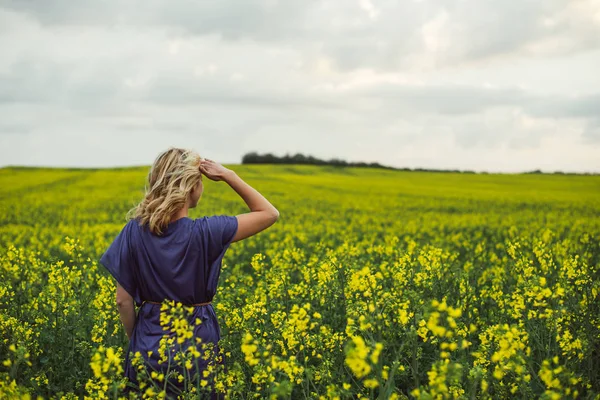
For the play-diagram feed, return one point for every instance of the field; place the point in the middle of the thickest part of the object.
(372, 284)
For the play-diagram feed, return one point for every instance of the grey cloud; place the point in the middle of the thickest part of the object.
(29, 81)
(591, 131)
(15, 128)
(394, 38)
(231, 19)
(179, 91)
(251, 74)
(583, 106)
(53, 83)
(442, 99)
(468, 99)
(497, 127)
(484, 28)
(152, 124)
(104, 87)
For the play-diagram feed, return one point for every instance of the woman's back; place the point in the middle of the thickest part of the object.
(183, 264)
(162, 254)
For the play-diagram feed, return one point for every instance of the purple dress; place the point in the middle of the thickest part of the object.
(184, 265)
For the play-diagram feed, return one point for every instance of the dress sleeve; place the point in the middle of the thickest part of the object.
(218, 232)
(120, 263)
(221, 230)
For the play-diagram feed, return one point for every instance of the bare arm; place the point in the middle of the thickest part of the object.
(263, 214)
(126, 310)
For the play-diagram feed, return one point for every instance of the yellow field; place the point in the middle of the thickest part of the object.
(372, 284)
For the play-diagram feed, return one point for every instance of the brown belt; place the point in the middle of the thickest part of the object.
(190, 305)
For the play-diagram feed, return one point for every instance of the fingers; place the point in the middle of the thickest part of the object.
(205, 162)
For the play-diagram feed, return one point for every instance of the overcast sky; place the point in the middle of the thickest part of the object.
(485, 85)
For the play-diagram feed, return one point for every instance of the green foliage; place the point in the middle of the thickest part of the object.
(372, 284)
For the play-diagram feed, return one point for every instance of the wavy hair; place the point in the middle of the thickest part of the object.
(173, 175)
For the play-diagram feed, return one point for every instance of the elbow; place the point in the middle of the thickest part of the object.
(275, 215)
(124, 301)
(122, 297)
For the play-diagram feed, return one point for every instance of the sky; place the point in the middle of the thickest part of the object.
(497, 86)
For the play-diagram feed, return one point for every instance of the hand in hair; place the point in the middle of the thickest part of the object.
(213, 170)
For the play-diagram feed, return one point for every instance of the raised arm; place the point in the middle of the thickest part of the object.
(262, 215)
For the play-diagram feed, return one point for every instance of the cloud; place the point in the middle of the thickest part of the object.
(330, 78)
(591, 131)
(385, 35)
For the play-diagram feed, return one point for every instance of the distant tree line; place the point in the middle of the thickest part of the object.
(298, 158)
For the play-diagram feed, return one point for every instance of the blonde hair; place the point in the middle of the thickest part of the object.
(173, 175)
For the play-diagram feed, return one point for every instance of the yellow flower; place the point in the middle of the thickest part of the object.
(371, 383)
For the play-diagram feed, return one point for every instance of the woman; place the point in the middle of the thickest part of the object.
(163, 254)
